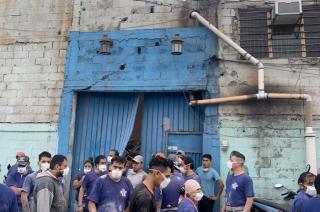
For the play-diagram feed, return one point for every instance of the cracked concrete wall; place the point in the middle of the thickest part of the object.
(109, 15)
(270, 133)
(33, 41)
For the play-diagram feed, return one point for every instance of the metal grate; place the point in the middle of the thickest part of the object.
(264, 40)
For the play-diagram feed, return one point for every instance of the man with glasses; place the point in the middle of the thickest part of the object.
(159, 176)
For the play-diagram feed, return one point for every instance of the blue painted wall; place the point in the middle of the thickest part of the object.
(154, 69)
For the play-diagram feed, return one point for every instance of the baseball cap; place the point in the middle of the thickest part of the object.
(23, 161)
(180, 152)
(138, 159)
(20, 154)
(160, 155)
(191, 186)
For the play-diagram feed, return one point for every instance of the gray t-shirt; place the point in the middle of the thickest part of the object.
(136, 178)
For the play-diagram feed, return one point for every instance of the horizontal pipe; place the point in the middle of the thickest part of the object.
(222, 100)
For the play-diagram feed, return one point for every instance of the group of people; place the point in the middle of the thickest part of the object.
(114, 183)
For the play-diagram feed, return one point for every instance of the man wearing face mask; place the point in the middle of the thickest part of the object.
(88, 181)
(306, 191)
(136, 175)
(193, 194)
(208, 178)
(111, 192)
(48, 189)
(16, 179)
(168, 197)
(27, 199)
(190, 174)
(159, 176)
(239, 186)
(313, 204)
(112, 154)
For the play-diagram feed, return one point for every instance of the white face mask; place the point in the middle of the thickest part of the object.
(205, 169)
(103, 167)
(182, 170)
(229, 164)
(22, 170)
(116, 174)
(198, 196)
(165, 182)
(65, 171)
(86, 171)
(44, 166)
(311, 190)
(109, 158)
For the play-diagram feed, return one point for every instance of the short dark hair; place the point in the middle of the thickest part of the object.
(238, 155)
(303, 176)
(57, 160)
(118, 159)
(44, 154)
(116, 152)
(160, 164)
(317, 183)
(188, 160)
(208, 156)
(99, 158)
(90, 160)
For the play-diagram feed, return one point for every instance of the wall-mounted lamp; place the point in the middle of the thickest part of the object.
(224, 145)
(105, 45)
(176, 45)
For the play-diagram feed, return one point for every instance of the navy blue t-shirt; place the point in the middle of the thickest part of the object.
(170, 194)
(89, 181)
(16, 179)
(8, 200)
(111, 196)
(238, 188)
(311, 205)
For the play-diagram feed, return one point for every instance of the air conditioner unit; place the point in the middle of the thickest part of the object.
(287, 12)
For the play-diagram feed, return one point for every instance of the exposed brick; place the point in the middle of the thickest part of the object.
(43, 61)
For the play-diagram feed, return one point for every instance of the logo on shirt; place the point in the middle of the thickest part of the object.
(123, 192)
(234, 186)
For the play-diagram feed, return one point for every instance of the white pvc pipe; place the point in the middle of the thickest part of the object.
(311, 151)
(235, 46)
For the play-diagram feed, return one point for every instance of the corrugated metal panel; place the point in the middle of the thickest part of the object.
(103, 121)
(171, 106)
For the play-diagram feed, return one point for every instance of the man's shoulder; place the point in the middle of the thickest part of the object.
(7, 191)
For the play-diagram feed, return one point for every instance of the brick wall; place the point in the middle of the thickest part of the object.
(269, 133)
(33, 45)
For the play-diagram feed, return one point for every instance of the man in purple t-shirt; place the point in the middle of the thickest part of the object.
(111, 192)
(189, 166)
(313, 204)
(89, 180)
(239, 186)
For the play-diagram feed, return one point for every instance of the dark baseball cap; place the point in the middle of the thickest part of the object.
(23, 161)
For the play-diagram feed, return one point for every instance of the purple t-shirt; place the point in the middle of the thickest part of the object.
(170, 195)
(8, 200)
(110, 195)
(89, 180)
(311, 205)
(298, 201)
(192, 177)
(17, 180)
(187, 206)
(238, 188)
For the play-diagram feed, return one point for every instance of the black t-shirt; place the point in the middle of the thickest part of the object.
(142, 200)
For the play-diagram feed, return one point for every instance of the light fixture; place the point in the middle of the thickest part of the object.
(176, 45)
(105, 45)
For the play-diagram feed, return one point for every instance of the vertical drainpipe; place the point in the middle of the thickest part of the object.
(310, 137)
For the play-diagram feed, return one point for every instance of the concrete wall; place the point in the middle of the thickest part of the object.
(33, 41)
(269, 133)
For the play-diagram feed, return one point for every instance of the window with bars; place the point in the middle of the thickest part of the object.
(262, 39)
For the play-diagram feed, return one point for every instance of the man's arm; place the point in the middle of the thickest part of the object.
(220, 190)
(92, 207)
(44, 200)
(248, 205)
(24, 201)
(16, 190)
(80, 198)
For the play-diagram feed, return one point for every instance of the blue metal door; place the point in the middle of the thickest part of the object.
(103, 121)
(168, 121)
